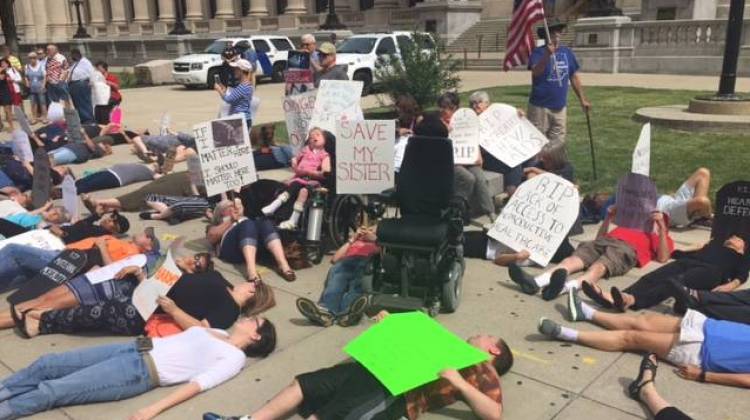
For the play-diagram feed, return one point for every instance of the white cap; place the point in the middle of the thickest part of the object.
(242, 64)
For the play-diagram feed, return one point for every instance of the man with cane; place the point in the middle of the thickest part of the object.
(550, 79)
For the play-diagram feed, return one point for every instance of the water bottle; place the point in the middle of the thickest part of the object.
(315, 217)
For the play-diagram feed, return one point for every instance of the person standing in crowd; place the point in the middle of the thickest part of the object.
(14, 61)
(79, 84)
(549, 84)
(101, 112)
(239, 97)
(309, 45)
(328, 68)
(9, 92)
(56, 71)
(34, 79)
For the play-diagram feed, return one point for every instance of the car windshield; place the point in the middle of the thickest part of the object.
(217, 47)
(356, 46)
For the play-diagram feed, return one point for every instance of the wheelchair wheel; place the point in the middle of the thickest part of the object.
(345, 216)
(314, 253)
(452, 287)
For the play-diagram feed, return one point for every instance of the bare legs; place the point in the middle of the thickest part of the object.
(284, 404)
(162, 210)
(649, 332)
(249, 253)
(277, 250)
(58, 298)
(700, 205)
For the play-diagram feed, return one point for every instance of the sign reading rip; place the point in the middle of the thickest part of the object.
(364, 156)
(465, 136)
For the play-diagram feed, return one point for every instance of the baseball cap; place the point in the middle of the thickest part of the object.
(122, 223)
(327, 48)
(243, 64)
(149, 231)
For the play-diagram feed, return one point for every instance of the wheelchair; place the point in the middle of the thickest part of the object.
(421, 264)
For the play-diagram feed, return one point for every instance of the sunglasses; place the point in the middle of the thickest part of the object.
(199, 266)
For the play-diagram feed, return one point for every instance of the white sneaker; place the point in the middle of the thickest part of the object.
(287, 225)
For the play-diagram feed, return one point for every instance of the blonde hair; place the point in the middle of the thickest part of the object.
(555, 155)
(262, 301)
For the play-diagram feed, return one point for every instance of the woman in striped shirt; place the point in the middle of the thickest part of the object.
(240, 96)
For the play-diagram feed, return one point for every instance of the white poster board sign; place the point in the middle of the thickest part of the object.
(70, 197)
(507, 136)
(465, 136)
(55, 112)
(364, 156)
(225, 153)
(145, 295)
(400, 148)
(39, 238)
(21, 146)
(108, 272)
(337, 100)
(642, 152)
(298, 111)
(538, 217)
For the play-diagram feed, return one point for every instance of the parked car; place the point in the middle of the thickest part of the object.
(199, 69)
(363, 53)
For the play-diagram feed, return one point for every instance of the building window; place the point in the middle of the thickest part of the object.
(366, 4)
(666, 13)
(430, 26)
(280, 6)
(321, 6)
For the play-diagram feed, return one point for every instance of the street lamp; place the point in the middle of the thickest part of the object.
(731, 51)
(81, 32)
(179, 25)
(332, 19)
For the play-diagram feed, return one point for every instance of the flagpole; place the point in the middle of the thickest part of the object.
(554, 57)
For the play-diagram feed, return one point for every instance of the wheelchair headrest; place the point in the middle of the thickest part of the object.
(425, 181)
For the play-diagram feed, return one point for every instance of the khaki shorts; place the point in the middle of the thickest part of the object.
(616, 255)
(687, 350)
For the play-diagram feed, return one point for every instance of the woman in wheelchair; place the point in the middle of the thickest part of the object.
(236, 238)
(343, 300)
(310, 167)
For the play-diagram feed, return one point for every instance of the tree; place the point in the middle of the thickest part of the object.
(421, 70)
(8, 21)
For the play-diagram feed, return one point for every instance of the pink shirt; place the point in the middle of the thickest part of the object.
(309, 160)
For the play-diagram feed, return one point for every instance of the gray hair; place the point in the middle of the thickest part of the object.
(218, 218)
(308, 38)
(479, 97)
(64, 214)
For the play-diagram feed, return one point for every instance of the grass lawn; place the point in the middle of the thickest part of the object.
(674, 154)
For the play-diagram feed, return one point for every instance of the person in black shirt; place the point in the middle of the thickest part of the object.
(718, 266)
(108, 224)
(726, 306)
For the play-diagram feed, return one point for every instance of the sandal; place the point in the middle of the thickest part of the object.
(168, 161)
(145, 157)
(21, 326)
(288, 275)
(634, 389)
(255, 279)
(594, 293)
(618, 300)
(14, 315)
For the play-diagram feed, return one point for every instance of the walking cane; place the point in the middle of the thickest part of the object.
(591, 142)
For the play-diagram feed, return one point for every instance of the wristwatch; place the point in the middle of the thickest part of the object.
(702, 376)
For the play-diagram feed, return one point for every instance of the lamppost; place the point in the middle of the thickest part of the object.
(332, 19)
(179, 25)
(81, 32)
(731, 51)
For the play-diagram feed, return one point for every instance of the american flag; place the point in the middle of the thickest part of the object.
(526, 13)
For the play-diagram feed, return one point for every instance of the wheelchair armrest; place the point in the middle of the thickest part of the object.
(389, 195)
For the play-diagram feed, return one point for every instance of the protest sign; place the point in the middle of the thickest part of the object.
(642, 152)
(225, 153)
(55, 112)
(21, 146)
(66, 265)
(298, 81)
(145, 295)
(408, 350)
(337, 100)
(70, 197)
(636, 200)
(298, 111)
(194, 170)
(39, 238)
(22, 120)
(400, 149)
(164, 124)
(732, 213)
(538, 217)
(465, 136)
(364, 156)
(507, 136)
(108, 272)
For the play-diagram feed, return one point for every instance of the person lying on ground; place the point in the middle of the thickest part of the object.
(611, 254)
(703, 349)
(717, 304)
(46, 216)
(235, 239)
(643, 390)
(477, 244)
(21, 174)
(111, 223)
(148, 147)
(118, 175)
(343, 300)
(21, 262)
(13, 201)
(200, 358)
(174, 184)
(718, 265)
(79, 152)
(349, 390)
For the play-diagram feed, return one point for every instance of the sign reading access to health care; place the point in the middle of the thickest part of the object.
(465, 136)
(364, 156)
(225, 153)
(636, 200)
(337, 100)
(507, 136)
(538, 217)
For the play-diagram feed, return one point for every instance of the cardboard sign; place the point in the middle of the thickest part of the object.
(66, 265)
(41, 182)
(732, 213)
(194, 170)
(642, 152)
(298, 60)
(22, 120)
(298, 111)
(21, 146)
(507, 136)
(636, 200)
(407, 350)
(225, 153)
(538, 217)
(298, 81)
(337, 100)
(364, 156)
(465, 136)
(400, 150)
(39, 238)
(108, 272)
(145, 295)
(70, 197)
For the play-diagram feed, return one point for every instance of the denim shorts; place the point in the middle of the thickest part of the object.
(245, 233)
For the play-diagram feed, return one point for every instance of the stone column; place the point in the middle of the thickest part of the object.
(58, 20)
(40, 18)
(194, 10)
(224, 9)
(295, 7)
(25, 18)
(118, 11)
(385, 4)
(258, 8)
(96, 12)
(141, 12)
(166, 10)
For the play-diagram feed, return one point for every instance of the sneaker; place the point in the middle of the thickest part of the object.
(684, 297)
(287, 225)
(556, 284)
(315, 313)
(521, 278)
(575, 313)
(549, 327)
(354, 314)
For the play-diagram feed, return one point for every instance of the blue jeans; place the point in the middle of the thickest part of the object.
(92, 374)
(20, 262)
(57, 92)
(246, 233)
(343, 284)
(62, 156)
(80, 93)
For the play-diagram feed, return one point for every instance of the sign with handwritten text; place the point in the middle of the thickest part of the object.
(145, 295)
(507, 136)
(298, 111)
(732, 215)
(636, 200)
(364, 156)
(338, 100)
(465, 136)
(225, 154)
(642, 153)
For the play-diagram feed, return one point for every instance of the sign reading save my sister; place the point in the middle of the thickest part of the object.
(364, 156)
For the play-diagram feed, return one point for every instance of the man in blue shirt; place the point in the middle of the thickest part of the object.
(549, 87)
